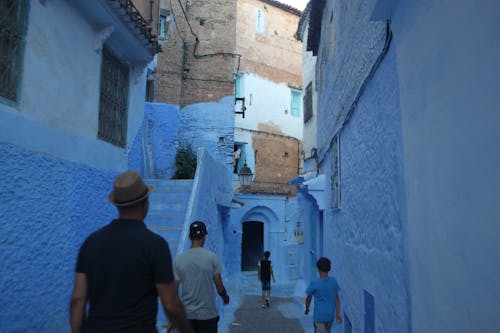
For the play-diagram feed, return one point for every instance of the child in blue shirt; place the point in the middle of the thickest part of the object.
(326, 298)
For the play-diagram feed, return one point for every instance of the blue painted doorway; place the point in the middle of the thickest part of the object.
(252, 245)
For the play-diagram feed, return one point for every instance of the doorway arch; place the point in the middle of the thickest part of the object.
(255, 237)
(252, 245)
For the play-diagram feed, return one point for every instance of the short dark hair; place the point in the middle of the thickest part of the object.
(324, 264)
(267, 254)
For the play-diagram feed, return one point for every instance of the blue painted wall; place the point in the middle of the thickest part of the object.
(448, 66)
(48, 207)
(366, 238)
(160, 139)
(55, 173)
(211, 126)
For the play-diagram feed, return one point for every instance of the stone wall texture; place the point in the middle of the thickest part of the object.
(198, 62)
(366, 238)
(49, 207)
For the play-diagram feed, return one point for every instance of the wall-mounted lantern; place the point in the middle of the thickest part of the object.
(245, 176)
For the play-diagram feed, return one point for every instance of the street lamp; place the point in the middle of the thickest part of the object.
(245, 176)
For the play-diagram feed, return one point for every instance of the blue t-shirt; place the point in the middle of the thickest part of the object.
(324, 292)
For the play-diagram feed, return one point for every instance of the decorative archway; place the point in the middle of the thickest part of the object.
(255, 226)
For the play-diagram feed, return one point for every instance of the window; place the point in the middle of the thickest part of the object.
(335, 172)
(113, 103)
(150, 88)
(13, 16)
(238, 86)
(295, 103)
(260, 21)
(308, 107)
(164, 24)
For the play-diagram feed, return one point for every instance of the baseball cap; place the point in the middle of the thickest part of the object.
(197, 230)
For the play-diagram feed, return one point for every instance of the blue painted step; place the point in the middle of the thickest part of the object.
(167, 209)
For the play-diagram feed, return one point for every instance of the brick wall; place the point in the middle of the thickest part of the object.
(190, 72)
(276, 54)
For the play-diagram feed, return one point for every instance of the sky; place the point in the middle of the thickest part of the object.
(299, 4)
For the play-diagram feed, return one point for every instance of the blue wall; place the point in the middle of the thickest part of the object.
(160, 139)
(49, 206)
(209, 125)
(366, 238)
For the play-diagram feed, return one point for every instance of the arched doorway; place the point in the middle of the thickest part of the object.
(252, 245)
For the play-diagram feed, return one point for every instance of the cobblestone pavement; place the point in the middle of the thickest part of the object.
(245, 314)
(252, 318)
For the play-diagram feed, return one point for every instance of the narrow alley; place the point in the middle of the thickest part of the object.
(361, 132)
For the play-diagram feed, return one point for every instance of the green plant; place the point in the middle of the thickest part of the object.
(185, 163)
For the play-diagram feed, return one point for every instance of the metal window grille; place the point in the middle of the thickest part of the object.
(113, 104)
(335, 172)
(308, 107)
(13, 15)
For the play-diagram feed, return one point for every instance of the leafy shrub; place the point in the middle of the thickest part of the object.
(185, 163)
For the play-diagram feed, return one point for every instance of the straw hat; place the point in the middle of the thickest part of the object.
(128, 189)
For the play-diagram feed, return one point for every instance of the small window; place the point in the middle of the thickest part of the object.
(296, 103)
(164, 24)
(260, 21)
(335, 172)
(113, 102)
(13, 16)
(308, 107)
(150, 89)
(237, 87)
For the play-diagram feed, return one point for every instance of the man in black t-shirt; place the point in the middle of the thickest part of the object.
(122, 268)
(265, 274)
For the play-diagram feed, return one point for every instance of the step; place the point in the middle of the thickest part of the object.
(169, 218)
(170, 195)
(168, 206)
(171, 185)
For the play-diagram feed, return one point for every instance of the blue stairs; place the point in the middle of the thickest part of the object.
(167, 209)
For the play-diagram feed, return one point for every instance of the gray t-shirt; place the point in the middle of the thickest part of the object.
(195, 268)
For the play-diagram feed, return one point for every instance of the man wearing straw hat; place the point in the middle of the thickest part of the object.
(123, 267)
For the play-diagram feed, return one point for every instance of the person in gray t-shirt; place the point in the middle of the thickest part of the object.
(197, 269)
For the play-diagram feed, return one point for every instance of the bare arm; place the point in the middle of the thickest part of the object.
(259, 271)
(174, 309)
(272, 273)
(308, 303)
(220, 288)
(78, 302)
(337, 307)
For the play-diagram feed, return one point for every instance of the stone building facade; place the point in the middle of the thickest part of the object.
(223, 49)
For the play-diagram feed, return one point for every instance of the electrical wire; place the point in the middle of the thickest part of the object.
(197, 42)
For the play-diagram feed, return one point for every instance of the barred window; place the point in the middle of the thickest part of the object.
(13, 16)
(113, 103)
(308, 107)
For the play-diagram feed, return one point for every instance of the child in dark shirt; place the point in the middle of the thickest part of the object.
(265, 274)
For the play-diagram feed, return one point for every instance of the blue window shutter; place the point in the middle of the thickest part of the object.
(296, 103)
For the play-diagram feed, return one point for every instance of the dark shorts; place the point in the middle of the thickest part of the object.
(266, 285)
(204, 326)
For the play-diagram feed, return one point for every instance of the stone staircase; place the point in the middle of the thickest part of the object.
(167, 209)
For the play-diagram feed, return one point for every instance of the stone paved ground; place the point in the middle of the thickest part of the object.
(252, 318)
(245, 314)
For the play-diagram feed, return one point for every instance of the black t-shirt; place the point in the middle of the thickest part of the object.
(265, 270)
(122, 262)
